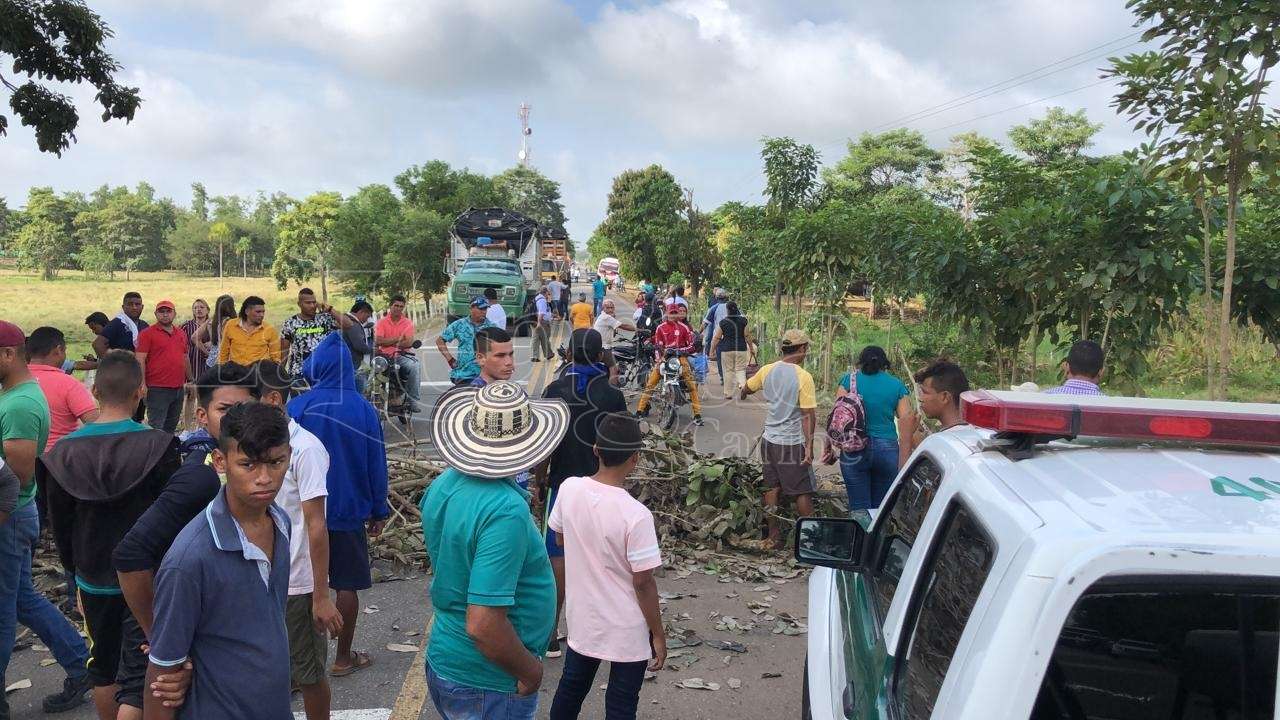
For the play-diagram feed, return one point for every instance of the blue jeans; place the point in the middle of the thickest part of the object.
(412, 372)
(459, 702)
(20, 602)
(598, 302)
(868, 474)
(620, 698)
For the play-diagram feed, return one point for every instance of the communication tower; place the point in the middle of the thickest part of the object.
(525, 132)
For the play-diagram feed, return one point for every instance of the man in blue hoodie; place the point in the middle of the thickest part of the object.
(349, 428)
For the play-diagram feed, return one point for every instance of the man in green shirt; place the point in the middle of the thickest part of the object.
(493, 592)
(24, 429)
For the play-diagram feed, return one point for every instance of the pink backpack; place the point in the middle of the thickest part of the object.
(847, 423)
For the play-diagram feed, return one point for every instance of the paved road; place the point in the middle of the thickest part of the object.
(731, 426)
(397, 610)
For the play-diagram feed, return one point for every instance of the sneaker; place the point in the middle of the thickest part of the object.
(553, 649)
(642, 414)
(72, 695)
(697, 420)
(535, 359)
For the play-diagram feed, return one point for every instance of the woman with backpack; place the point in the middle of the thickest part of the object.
(885, 411)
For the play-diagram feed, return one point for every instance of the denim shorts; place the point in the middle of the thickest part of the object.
(460, 702)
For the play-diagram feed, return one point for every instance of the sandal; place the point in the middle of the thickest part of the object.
(360, 661)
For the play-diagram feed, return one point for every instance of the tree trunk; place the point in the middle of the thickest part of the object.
(1210, 324)
(1228, 277)
(219, 264)
(244, 263)
(777, 295)
(324, 281)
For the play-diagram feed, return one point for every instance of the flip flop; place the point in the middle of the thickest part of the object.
(361, 661)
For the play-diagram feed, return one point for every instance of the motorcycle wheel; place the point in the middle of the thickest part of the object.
(670, 408)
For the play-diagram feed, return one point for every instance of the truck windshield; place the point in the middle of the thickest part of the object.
(487, 265)
(1164, 651)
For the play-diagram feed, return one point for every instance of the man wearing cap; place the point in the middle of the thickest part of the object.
(786, 446)
(541, 326)
(492, 591)
(24, 431)
(464, 367)
(162, 350)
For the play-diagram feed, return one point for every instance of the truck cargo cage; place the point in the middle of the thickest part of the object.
(1029, 419)
(498, 224)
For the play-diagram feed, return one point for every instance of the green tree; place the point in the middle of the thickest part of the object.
(1201, 98)
(62, 41)
(307, 241)
(368, 223)
(200, 201)
(599, 247)
(188, 245)
(1256, 295)
(44, 241)
(647, 222)
(413, 262)
(532, 194)
(220, 234)
(878, 162)
(1056, 137)
(131, 225)
(791, 184)
(436, 186)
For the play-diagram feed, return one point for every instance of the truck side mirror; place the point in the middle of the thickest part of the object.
(830, 542)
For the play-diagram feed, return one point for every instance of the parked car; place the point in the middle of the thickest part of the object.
(1063, 558)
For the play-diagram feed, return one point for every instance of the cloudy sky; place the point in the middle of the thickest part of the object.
(301, 95)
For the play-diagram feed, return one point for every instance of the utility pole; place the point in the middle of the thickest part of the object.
(525, 132)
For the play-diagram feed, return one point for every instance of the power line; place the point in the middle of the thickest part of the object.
(1021, 80)
(1019, 107)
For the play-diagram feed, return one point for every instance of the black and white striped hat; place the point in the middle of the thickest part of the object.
(496, 431)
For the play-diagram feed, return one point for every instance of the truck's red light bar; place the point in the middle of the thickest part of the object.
(1132, 418)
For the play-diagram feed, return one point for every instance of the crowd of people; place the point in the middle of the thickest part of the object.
(281, 479)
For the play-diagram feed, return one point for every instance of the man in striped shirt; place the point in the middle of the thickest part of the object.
(1084, 370)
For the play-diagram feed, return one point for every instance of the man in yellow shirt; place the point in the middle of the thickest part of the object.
(249, 338)
(786, 446)
(582, 314)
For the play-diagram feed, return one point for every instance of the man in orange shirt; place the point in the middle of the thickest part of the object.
(392, 334)
(581, 313)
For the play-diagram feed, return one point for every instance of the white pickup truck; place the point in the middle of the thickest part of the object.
(1062, 558)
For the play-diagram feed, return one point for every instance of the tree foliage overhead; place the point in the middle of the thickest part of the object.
(1201, 98)
(60, 41)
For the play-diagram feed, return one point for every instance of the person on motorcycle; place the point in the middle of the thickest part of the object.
(672, 335)
(393, 335)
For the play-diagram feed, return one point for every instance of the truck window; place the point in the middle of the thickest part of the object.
(1151, 651)
(906, 507)
(944, 597)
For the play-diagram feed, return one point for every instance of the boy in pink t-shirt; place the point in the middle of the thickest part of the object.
(611, 598)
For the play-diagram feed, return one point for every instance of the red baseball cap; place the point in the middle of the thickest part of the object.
(165, 304)
(11, 335)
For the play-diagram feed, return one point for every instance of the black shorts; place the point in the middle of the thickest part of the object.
(349, 560)
(115, 646)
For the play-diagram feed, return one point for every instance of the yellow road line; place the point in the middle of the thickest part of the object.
(413, 693)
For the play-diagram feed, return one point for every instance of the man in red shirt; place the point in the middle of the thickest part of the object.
(70, 403)
(162, 350)
(672, 334)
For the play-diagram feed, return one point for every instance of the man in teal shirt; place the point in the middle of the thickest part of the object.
(598, 288)
(24, 430)
(493, 592)
(464, 367)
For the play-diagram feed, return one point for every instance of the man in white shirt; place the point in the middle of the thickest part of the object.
(556, 288)
(495, 314)
(302, 497)
(607, 325)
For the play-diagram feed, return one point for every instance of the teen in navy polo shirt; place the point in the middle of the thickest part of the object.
(221, 590)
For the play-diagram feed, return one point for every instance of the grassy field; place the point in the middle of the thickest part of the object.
(64, 303)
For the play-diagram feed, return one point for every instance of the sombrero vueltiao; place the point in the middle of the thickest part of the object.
(496, 431)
